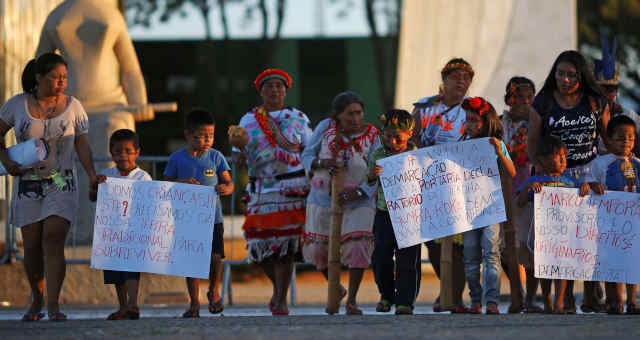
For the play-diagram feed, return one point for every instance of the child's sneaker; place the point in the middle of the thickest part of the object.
(404, 310)
(383, 306)
(492, 308)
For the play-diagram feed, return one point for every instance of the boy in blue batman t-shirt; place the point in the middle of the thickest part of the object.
(200, 164)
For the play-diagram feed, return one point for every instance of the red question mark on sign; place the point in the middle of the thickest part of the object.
(126, 205)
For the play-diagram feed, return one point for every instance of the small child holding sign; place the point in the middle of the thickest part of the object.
(200, 164)
(124, 147)
(551, 156)
(619, 171)
(402, 288)
(483, 245)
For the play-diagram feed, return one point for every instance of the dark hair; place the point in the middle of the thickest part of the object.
(517, 81)
(619, 120)
(550, 145)
(397, 117)
(446, 71)
(42, 65)
(197, 118)
(586, 80)
(344, 99)
(491, 124)
(124, 135)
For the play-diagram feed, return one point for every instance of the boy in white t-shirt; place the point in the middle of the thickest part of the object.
(125, 149)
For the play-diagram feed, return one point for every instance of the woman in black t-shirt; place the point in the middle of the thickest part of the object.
(570, 106)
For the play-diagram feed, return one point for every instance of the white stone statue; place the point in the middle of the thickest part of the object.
(104, 73)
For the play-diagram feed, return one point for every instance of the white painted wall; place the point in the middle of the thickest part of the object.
(500, 38)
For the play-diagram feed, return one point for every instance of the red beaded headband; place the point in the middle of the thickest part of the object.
(272, 73)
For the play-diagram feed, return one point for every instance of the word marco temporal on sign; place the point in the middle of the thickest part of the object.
(590, 238)
(442, 190)
(154, 226)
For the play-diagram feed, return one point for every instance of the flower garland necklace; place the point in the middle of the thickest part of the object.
(260, 115)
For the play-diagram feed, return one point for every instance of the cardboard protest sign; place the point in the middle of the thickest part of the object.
(588, 238)
(154, 226)
(442, 190)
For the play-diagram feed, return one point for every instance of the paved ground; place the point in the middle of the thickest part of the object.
(311, 323)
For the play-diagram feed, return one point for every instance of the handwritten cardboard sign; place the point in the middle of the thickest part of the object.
(154, 226)
(589, 238)
(442, 190)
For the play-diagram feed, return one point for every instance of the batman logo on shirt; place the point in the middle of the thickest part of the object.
(209, 172)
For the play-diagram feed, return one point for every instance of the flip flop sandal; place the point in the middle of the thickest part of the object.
(118, 315)
(404, 310)
(214, 307)
(352, 309)
(57, 316)
(515, 309)
(133, 313)
(532, 309)
(191, 313)
(280, 312)
(32, 316)
(459, 309)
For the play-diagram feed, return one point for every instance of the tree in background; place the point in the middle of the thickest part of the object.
(391, 11)
(619, 18)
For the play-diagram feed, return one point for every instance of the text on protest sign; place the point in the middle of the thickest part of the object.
(588, 238)
(154, 226)
(442, 190)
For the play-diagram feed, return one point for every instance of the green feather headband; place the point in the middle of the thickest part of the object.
(394, 124)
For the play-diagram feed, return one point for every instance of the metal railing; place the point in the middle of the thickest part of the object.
(11, 250)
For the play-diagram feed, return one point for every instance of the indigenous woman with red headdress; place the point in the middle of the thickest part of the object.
(345, 138)
(272, 137)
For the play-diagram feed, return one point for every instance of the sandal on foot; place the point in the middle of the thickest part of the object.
(384, 306)
(597, 308)
(218, 306)
(515, 309)
(436, 306)
(459, 309)
(404, 310)
(492, 309)
(118, 315)
(532, 308)
(352, 309)
(57, 316)
(133, 313)
(32, 316)
(632, 309)
(280, 312)
(476, 308)
(191, 313)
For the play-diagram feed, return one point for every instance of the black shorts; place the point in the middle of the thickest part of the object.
(217, 243)
(119, 277)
